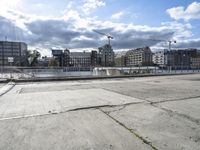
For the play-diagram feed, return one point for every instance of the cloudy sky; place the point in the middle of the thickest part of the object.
(46, 24)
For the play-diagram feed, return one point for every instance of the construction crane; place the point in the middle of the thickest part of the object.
(108, 36)
(170, 42)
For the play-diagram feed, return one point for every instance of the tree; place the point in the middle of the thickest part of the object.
(33, 57)
(120, 61)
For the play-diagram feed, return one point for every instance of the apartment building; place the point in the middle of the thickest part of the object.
(160, 58)
(181, 58)
(139, 57)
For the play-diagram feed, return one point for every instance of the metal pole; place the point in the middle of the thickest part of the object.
(170, 42)
(169, 52)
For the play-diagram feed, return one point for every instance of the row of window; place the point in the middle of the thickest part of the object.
(134, 59)
(6, 56)
(80, 61)
(10, 47)
(10, 52)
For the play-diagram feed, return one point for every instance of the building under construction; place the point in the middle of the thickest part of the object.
(106, 56)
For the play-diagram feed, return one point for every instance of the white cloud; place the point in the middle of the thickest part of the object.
(191, 12)
(192, 43)
(70, 4)
(6, 5)
(74, 30)
(90, 5)
(117, 15)
(9, 3)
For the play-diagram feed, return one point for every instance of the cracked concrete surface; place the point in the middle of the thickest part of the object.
(6, 88)
(163, 130)
(88, 129)
(184, 107)
(26, 104)
(133, 113)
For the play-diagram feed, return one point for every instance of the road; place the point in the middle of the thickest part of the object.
(160, 113)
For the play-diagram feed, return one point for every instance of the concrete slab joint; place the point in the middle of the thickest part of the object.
(6, 88)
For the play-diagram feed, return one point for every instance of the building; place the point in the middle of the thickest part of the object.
(160, 58)
(13, 53)
(106, 56)
(75, 59)
(67, 58)
(44, 61)
(79, 59)
(139, 57)
(195, 61)
(58, 56)
(94, 58)
(180, 59)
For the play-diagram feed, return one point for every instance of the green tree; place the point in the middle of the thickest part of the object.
(33, 57)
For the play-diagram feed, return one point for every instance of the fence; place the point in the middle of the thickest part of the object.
(67, 72)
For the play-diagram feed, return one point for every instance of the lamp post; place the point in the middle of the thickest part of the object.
(170, 46)
(183, 61)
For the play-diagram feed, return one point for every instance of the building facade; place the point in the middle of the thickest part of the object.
(58, 56)
(79, 59)
(180, 58)
(106, 56)
(75, 59)
(13, 53)
(139, 57)
(160, 58)
(195, 62)
(94, 58)
(44, 61)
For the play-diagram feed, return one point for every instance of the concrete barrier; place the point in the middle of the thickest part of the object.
(90, 78)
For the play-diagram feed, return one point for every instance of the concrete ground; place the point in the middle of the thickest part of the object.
(130, 114)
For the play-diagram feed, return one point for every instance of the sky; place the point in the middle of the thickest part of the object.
(46, 24)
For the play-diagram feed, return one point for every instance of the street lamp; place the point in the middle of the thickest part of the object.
(170, 44)
(183, 62)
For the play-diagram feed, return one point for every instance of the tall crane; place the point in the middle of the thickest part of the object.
(170, 42)
(108, 36)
